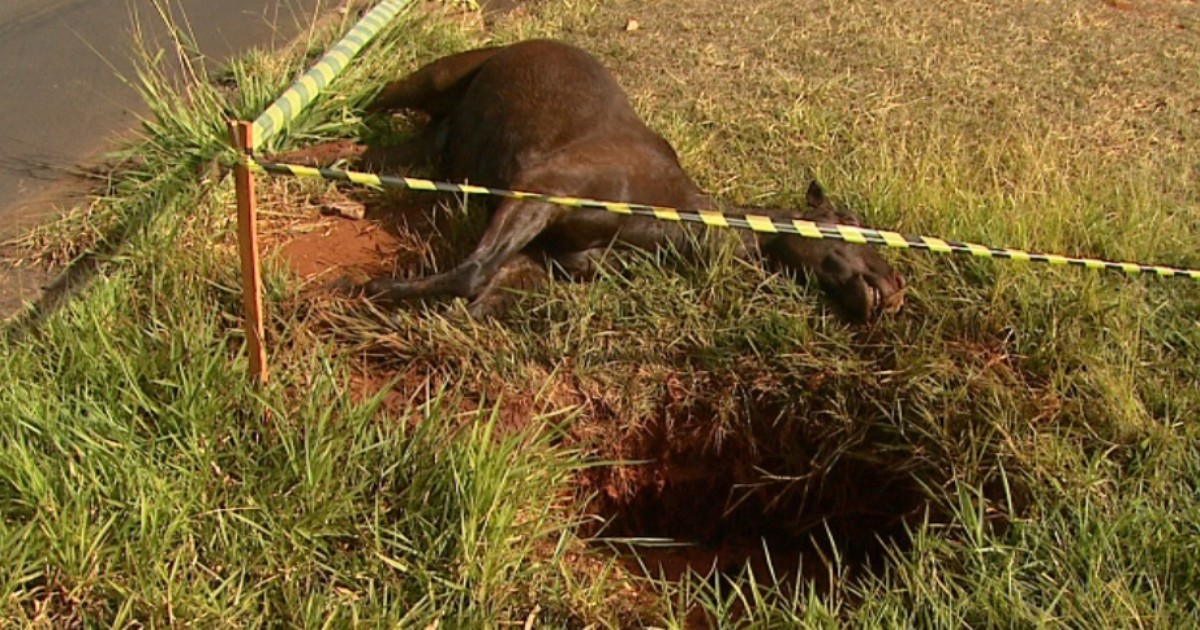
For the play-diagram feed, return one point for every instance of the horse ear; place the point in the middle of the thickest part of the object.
(815, 196)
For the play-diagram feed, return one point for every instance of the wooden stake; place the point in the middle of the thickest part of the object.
(247, 219)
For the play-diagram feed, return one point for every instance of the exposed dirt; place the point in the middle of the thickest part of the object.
(352, 234)
(760, 498)
(343, 246)
(731, 503)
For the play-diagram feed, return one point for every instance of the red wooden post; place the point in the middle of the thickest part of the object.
(247, 219)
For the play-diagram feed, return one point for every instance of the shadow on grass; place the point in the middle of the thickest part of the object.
(78, 275)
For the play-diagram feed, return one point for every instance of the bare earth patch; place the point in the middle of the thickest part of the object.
(695, 494)
(343, 247)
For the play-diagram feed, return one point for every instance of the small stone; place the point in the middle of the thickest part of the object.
(345, 209)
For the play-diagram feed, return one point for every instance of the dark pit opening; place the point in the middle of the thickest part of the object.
(775, 500)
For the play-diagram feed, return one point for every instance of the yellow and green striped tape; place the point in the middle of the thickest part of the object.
(749, 221)
(304, 91)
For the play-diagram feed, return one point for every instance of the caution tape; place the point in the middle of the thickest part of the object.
(304, 91)
(748, 221)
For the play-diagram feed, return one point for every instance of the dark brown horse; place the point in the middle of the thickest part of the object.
(543, 116)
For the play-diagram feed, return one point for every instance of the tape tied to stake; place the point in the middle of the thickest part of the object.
(748, 221)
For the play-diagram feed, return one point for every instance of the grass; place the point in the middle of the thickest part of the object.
(1017, 448)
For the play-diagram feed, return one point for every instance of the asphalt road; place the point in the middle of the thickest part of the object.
(64, 95)
(63, 90)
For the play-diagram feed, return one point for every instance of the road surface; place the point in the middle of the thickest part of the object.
(61, 85)
(63, 90)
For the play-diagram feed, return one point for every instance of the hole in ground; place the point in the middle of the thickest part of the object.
(783, 503)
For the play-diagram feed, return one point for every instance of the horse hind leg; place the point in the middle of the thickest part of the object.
(513, 227)
(436, 87)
